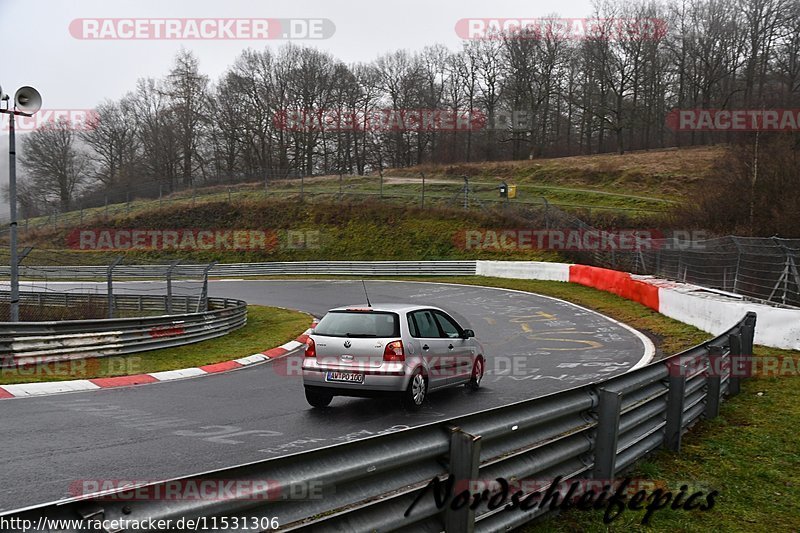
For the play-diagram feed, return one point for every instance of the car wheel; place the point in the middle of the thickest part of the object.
(318, 399)
(474, 382)
(417, 391)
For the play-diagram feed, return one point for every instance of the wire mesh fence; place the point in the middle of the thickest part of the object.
(416, 190)
(55, 285)
(761, 268)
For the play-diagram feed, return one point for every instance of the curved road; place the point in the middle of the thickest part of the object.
(535, 345)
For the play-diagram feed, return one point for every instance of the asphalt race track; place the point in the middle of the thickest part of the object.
(535, 345)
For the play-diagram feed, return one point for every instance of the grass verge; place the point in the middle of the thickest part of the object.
(266, 327)
(748, 454)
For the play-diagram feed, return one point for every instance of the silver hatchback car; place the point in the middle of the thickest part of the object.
(402, 349)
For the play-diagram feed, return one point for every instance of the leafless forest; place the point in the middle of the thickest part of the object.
(580, 96)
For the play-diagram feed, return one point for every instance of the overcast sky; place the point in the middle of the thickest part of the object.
(71, 73)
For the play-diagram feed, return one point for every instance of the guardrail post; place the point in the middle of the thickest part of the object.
(675, 399)
(748, 333)
(713, 380)
(734, 379)
(465, 451)
(605, 447)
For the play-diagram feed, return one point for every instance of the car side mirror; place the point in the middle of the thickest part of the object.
(468, 333)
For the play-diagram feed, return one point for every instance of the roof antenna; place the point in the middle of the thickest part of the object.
(366, 293)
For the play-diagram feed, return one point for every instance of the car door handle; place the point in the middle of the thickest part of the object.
(425, 347)
(450, 347)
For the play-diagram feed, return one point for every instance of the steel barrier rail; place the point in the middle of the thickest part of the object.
(595, 431)
(353, 268)
(36, 342)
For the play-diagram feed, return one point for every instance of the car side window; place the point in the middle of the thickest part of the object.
(412, 326)
(426, 324)
(449, 326)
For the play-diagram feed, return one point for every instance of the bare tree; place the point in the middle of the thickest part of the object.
(115, 143)
(53, 163)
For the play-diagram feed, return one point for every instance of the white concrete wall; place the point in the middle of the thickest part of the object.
(775, 327)
(524, 270)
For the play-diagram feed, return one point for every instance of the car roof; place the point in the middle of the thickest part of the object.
(392, 307)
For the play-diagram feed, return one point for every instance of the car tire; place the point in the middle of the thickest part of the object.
(474, 382)
(417, 391)
(318, 399)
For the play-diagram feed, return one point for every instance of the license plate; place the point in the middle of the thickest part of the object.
(345, 377)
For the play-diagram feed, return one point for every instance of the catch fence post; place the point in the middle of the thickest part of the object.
(110, 284)
(202, 302)
(168, 302)
(423, 189)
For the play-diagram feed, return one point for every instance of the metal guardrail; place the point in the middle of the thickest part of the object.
(354, 268)
(38, 342)
(594, 431)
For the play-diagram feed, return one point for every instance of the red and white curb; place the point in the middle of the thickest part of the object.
(23, 390)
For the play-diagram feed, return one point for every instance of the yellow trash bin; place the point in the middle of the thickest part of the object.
(512, 191)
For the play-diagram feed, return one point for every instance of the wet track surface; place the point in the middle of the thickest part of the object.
(535, 346)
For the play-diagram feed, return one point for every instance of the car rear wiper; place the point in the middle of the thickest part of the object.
(360, 336)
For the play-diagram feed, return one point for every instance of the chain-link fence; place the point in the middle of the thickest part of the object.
(761, 268)
(59, 286)
(756, 267)
(414, 190)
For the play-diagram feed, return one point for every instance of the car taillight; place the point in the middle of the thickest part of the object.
(394, 352)
(311, 348)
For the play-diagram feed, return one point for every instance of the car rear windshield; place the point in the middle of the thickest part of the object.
(359, 324)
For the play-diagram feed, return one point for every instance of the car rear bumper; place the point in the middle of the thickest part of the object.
(388, 378)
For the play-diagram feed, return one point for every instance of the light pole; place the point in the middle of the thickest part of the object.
(27, 101)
